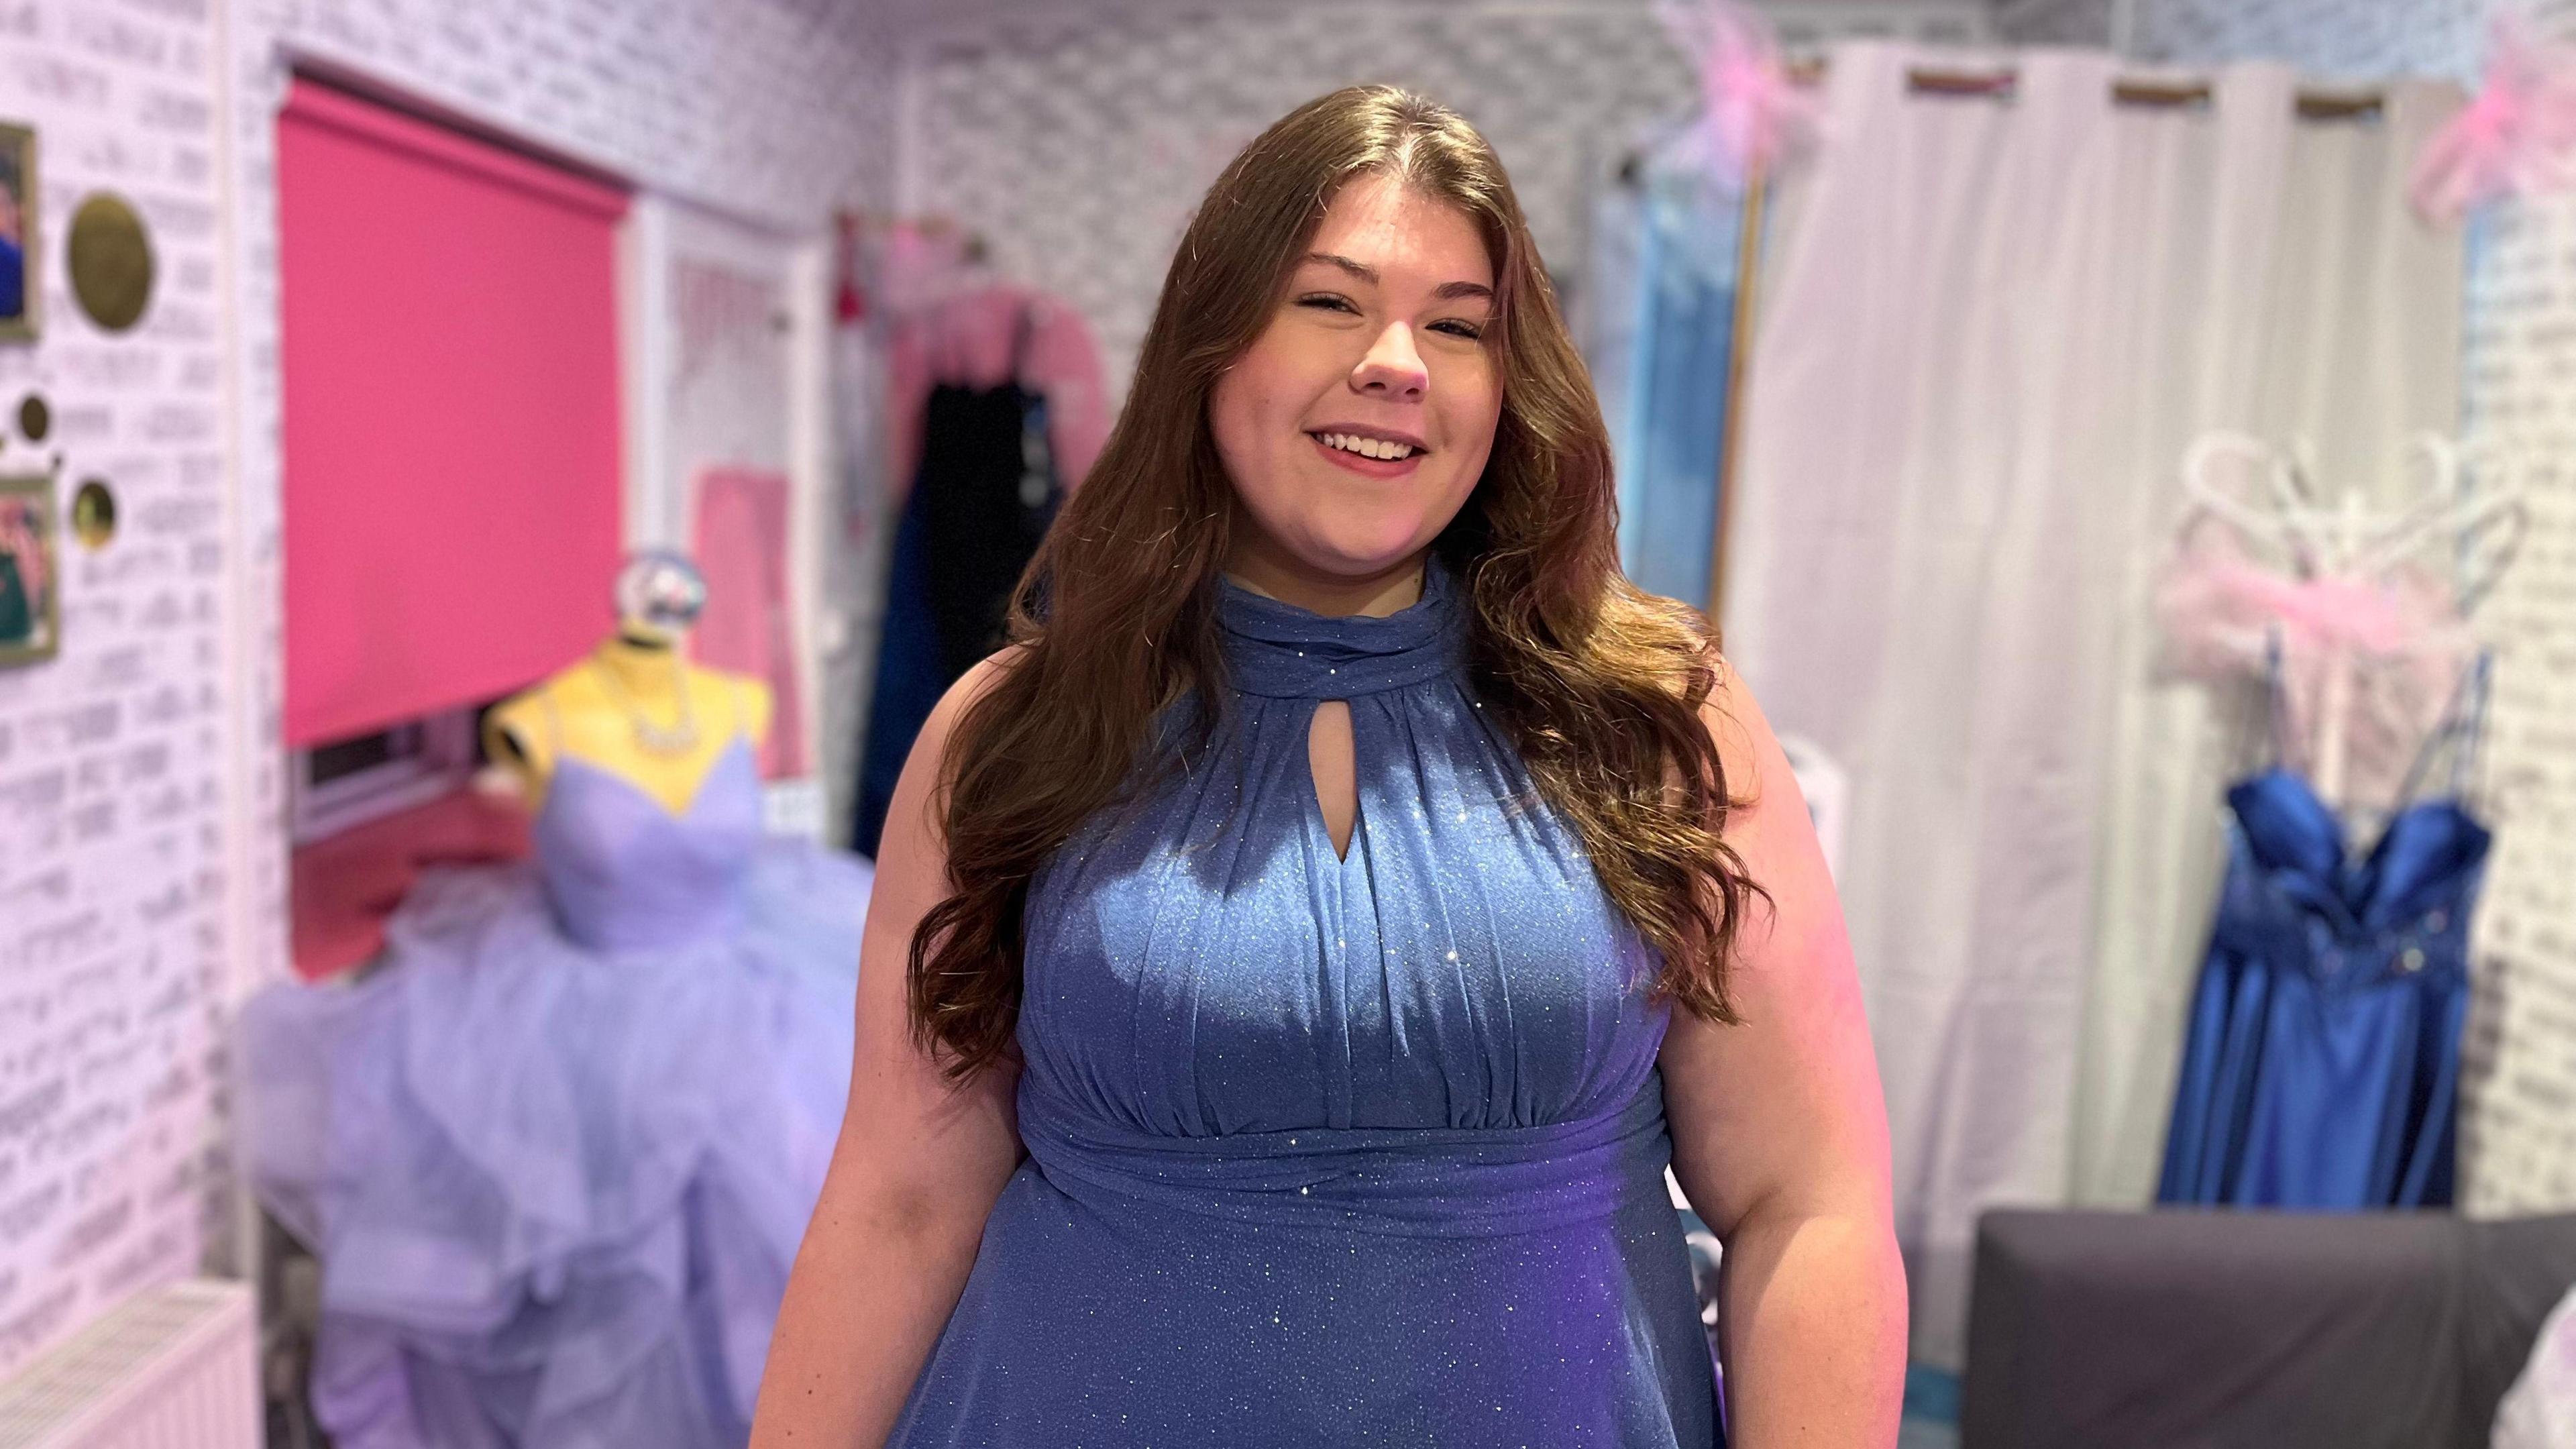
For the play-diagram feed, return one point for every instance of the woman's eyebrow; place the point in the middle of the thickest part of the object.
(1361, 270)
(1447, 291)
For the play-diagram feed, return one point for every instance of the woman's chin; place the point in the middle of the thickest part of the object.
(1362, 565)
(1366, 549)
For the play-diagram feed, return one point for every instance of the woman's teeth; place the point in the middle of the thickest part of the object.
(1366, 447)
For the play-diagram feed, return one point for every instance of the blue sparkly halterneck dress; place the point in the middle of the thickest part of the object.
(1360, 1150)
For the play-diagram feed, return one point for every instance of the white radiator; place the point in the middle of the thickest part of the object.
(175, 1367)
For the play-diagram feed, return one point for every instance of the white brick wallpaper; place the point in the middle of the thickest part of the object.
(771, 109)
(113, 883)
(2349, 38)
(2055, 22)
(141, 855)
(1078, 150)
(2520, 1131)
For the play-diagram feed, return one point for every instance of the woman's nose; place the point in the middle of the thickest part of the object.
(1393, 369)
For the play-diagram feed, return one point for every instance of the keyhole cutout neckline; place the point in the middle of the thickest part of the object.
(1275, 650)
(1334, 782)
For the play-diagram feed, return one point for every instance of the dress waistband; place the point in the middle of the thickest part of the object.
(1410, 1181)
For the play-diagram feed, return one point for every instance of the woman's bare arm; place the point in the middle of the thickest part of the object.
(914, 1176)
(1780, 1137)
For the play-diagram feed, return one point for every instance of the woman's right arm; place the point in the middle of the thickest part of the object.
(913, 1178)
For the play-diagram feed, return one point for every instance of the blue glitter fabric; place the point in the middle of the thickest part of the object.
(1331, 1150)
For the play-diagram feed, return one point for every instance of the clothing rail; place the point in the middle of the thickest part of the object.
(970, 241)
(2313, 105)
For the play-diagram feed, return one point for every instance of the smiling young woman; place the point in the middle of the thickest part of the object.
(1358, 421)
(1295, 960)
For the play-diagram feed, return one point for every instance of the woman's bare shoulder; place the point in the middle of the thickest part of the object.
(981, 679)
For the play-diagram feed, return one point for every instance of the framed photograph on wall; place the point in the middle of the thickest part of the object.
(19, 274)
(31, 594)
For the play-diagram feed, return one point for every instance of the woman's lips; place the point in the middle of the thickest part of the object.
(1368, 467)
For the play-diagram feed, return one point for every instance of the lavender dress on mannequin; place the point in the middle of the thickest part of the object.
(556, 1152)
(1331, 1150)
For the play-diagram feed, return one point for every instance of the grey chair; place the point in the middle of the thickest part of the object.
(2216, 1328)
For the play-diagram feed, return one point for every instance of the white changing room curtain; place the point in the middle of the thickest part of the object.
(1988, 329)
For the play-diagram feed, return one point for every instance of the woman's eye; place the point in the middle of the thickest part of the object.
(1471, 331)
(1328, 302)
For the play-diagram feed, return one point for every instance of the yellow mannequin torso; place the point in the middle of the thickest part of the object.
(589, 710)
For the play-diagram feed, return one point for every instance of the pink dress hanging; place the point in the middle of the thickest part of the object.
(741, 547)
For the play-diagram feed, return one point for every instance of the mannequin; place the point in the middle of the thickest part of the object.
(556, 1151)
(634, 707)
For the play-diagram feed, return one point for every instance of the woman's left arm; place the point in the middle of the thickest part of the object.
(1780, 1135)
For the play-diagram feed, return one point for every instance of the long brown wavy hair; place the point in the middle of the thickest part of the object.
(1597, 683)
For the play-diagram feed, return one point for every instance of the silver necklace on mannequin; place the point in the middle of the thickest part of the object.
(659, 597)
(679, 737)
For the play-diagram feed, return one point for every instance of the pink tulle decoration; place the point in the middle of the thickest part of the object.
(2225, 617)
(2517, 135)
(1752, 115)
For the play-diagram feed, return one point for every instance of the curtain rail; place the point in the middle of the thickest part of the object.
(2313, 105)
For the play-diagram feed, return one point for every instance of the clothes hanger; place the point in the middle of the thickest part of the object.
(2346, 542)
(2483, 528)
(2348, 539)
(2287, 486)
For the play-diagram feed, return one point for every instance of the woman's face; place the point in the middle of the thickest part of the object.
(1357, 423)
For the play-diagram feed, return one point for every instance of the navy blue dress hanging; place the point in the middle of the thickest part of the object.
(979, 505)
(2321, 1061)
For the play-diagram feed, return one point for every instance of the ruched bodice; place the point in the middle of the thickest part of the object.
(1209, 967)
(1264, 1077)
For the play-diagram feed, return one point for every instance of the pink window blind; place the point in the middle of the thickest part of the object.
(451, 415)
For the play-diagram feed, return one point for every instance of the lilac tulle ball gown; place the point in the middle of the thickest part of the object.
(556, 1152)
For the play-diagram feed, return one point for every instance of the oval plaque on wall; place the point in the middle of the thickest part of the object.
(111, 261)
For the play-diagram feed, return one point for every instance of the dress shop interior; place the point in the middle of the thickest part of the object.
(491, 492)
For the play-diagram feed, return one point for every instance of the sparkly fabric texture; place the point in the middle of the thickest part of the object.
(1324, 1149)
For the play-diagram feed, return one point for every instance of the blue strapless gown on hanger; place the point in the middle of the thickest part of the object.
(2321, 1058)
(1361, 1150)
(557, 1150)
